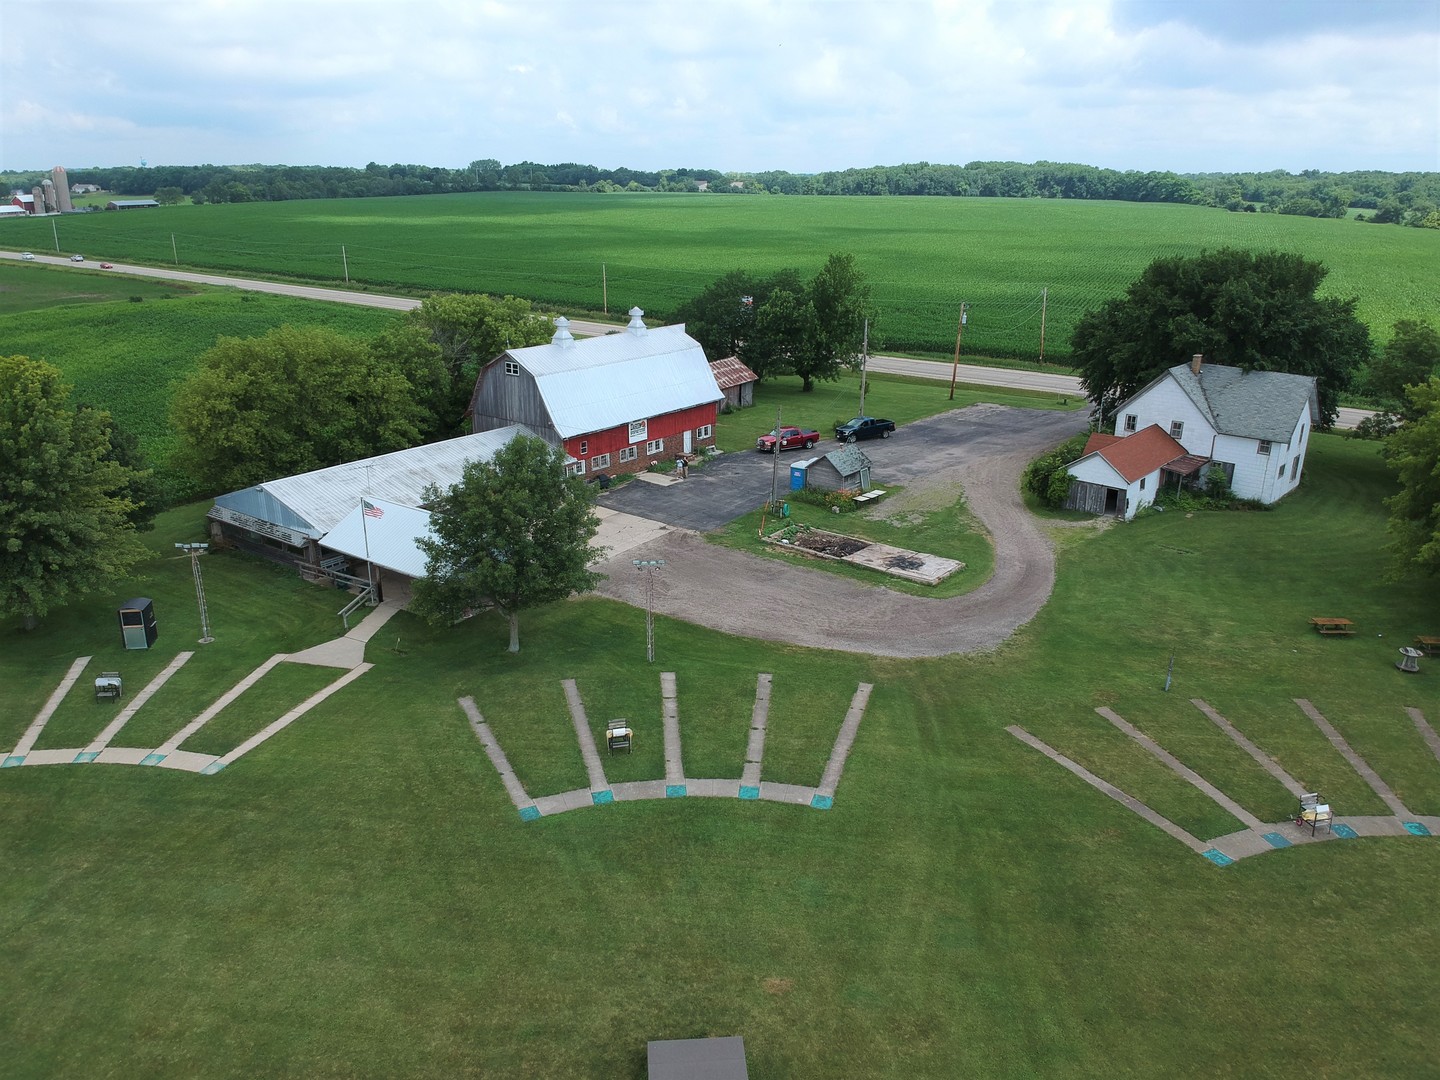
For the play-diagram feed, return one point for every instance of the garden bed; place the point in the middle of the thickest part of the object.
(897, 562)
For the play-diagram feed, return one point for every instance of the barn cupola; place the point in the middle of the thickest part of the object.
(636, 325)
(562, 336)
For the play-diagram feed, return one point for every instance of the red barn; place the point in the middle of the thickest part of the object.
(615, 403)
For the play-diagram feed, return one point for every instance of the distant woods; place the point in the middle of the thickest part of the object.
(1411, 198)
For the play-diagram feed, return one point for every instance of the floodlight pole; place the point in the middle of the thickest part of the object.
(864, 362)
(649, 565)
(195, 551)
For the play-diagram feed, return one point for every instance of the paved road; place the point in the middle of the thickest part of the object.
(971, 374)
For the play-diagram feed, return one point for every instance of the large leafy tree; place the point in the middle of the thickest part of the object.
(514, 531)
(1257, 311)
(784, 325)
(1410, 357)
(293, 400)
(1413, 451)
(470, 330)
(65, 515)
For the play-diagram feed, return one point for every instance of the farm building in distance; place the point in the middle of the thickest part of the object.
(130, 204)
(1253, 425)
(736, 382)
(616, 403)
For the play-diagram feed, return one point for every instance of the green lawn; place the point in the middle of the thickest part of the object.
(358, 897)
(923, 256)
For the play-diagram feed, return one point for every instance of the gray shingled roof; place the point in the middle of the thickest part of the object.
(848, 460)
(1249, 404)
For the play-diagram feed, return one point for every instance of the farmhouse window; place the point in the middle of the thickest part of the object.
(704, 431)
(628, 453)
(1282, 470)
(1295, 468)
(1264, 447)
(512, 367)
(584, 448)
(600, 461)
(655, 446)
(1177, 429)
(576, 468)
(1129, 422)
(1142, 483)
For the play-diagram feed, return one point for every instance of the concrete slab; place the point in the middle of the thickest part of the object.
(635, 790)
(844, 741)
(68, 680)
(795, 794)
(620, 532)
(670, 712)
(51, 757)
(713, 788)
(122, 755)
(186, 761)
(755, 748)
(584, 736)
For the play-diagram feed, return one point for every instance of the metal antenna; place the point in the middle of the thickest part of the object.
(195, 551)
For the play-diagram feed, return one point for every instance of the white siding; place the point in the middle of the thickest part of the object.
(1093, 469)
(1163, 404)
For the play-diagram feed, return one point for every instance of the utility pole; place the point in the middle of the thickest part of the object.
(864, 360)
(649, 566)
(195, 551)
(346, 262)
(1044, 297)
(604, 291)
(174, 251)
(56, 233)
(775, 466)
(955, 368)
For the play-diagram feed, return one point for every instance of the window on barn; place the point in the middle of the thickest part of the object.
(655, 446)
(575, 468)
(628, 453)
(512, 367)
(1264, 447)
(1129, 422)
(584, 448)
(1177, 429)
(705, 431)
(600, 461)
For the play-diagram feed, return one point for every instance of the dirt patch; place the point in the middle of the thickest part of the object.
(777, 987)
(831, 544)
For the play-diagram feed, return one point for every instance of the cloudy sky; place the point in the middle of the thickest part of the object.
(743, 85)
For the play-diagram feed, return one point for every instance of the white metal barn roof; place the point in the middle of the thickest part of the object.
(602, 382)
(313, 503)
(387, 540)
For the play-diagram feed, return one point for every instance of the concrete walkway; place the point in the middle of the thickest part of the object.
(1257, 837)
(675, 783)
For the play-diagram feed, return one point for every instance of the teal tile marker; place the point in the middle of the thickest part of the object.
(674, 791)
(1219, 858)
(152, 759)
(821, 802)
(600, 798)
(529, 813)
(749, 792)
(1345, 832)
(212, 768)
(12, 761)
(1414, 828)
(85, 757)
(1275, 840)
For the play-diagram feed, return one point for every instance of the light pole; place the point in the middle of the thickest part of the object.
(649, 565)
(195, 551)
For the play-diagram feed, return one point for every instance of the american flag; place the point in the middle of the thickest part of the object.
(371, 510)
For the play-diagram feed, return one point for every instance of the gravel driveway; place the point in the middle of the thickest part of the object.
(980, 451)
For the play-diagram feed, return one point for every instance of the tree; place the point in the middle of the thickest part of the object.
(472, 329)
(722, 316)
(169, 196)
(141, 490)
(64, 515)
(1410, 357)
(515, 530)
(1247, 310)
(1413, 451)
(839, 299)
(412, 351)
(292, 400)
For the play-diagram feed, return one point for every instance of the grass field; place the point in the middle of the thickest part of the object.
(359, 898)
(923, 256)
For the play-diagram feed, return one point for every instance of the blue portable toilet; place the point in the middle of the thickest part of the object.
(798, 473)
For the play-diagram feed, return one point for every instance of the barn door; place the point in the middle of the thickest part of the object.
(687, 440)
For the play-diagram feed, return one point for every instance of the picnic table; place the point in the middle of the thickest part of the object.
(1430, 645)
(1330, 625)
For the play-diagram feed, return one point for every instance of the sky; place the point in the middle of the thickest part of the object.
(735, 85)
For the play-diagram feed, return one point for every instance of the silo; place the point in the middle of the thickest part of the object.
(49, 192)
(62, 189)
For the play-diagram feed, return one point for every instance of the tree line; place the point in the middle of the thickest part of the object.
(1409, 198)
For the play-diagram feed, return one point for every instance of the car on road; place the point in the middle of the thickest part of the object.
(864, 427)
(28, 257)
(77, 258)
(107, 266)
(787, 438)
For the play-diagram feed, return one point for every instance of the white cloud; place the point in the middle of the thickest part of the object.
(801, 85)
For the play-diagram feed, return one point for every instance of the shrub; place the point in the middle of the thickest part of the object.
(1046, 477)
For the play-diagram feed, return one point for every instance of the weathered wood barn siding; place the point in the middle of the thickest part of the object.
(501, 400)
(1087, 497)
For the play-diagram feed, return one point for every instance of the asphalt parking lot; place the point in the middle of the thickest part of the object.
(737, 482)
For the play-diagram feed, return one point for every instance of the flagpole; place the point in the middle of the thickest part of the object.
(369, 567)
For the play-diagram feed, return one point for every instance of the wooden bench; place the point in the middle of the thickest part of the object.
(1429, 645)
(873, 493)
(1333, 626)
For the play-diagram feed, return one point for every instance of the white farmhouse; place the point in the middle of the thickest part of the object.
(1255, 425)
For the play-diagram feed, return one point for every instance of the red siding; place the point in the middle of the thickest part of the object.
(670, 428)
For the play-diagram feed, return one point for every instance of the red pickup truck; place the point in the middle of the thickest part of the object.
(788, 438)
